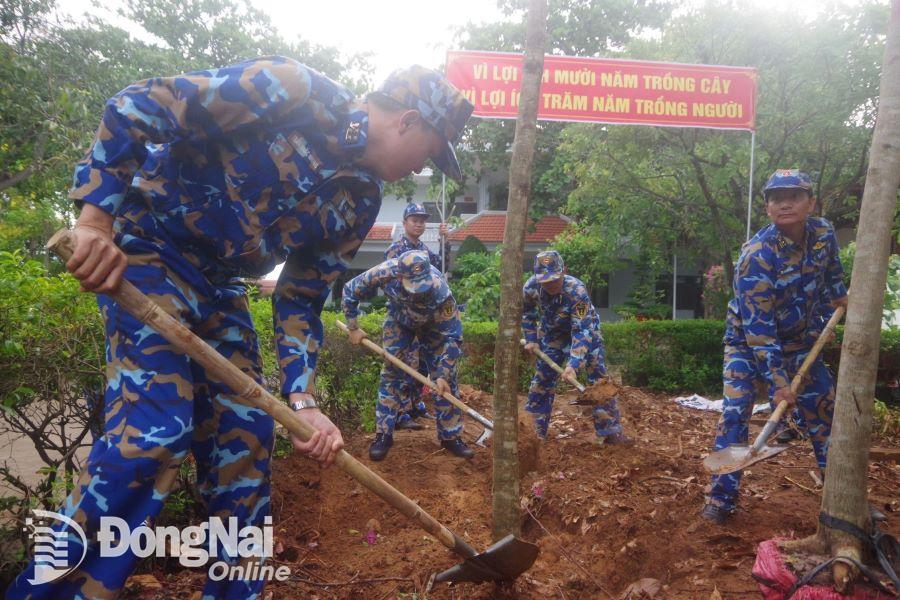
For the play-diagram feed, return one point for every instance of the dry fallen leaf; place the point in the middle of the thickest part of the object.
(642, 589)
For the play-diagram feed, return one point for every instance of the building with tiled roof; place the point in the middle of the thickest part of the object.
(488, 226)
(473, 205)
(381, 233)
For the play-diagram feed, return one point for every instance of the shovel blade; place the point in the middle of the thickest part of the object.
(738, 457)
(504, 561)
(580, 400)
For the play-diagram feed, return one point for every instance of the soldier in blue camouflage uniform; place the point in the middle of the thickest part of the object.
(787, 282)
(192, 182)
(560, 318)
(420, 306)
(414, 219)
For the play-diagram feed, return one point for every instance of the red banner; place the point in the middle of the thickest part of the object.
(602, 90)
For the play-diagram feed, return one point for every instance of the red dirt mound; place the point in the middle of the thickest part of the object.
(610, 521)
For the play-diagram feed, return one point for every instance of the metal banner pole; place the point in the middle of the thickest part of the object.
(674, 285)
(443, 213)
(750, 193)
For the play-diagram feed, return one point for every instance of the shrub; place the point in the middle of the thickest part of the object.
(887, 381)
(669, 356)
(716, 292)
(51, 360)
(480, 289)
(476, 367)
(469, 245)
(472, 263)
(51, 357)
(891, 307)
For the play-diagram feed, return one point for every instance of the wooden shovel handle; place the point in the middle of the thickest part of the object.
(376, 349)
(148, 312)
(543, 356)
(797, 381)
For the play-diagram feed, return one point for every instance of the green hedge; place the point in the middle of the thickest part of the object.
(665, 356)
(888, 377)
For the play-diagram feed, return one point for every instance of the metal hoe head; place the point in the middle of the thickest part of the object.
(486, 434)
(738, 457)
(504, 561)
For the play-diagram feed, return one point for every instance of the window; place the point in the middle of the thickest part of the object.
(688, 288)
(600, 292)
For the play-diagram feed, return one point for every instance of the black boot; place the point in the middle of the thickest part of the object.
(408, 423)
(420, 413)
(380, 446)
(786, 436)
(457, 447)
(714, 514)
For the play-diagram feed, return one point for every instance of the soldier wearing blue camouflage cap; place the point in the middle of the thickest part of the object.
(560, 319)
(415, 216)
(192, 182)
(787, 283)
(420, 306)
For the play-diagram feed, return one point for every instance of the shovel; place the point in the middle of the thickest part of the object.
(740, 456)
(580, 400)
(376, 349)
(504, 561)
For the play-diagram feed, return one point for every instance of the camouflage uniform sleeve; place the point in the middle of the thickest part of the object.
(450, 328)
(435, 259)
(187, 107)
(530, 312)
(299, 298)
(581, 327)
(834, 273)
(394, 250)
(755, 289)
(364, 286)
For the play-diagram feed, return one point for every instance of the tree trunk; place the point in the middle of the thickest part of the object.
(844, 496)
(506, 352)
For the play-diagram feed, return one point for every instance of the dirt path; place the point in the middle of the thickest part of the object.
(604, 517)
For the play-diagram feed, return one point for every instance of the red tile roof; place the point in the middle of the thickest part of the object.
(380, 233)
(488, 227)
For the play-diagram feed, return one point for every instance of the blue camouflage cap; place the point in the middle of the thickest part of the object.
(788, 179)
(441, 105)
(414, 209)
(548, 266)
(415, 271)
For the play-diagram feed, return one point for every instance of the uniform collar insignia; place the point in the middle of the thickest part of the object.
(351, 135)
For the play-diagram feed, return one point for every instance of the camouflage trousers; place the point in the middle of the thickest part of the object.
(159, 406)
(397, 388)
(815, 404)
(543, 388)
(415, 391)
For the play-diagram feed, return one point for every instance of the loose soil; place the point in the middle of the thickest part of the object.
(605, 517)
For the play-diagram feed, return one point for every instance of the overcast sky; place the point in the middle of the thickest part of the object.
(396, 32)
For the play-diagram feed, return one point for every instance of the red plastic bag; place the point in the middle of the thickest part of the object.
(775, 580)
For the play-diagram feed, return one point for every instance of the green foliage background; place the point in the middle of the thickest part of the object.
(53, 341)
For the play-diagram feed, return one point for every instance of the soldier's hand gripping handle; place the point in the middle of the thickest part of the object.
(356, 336)
(96, 260)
